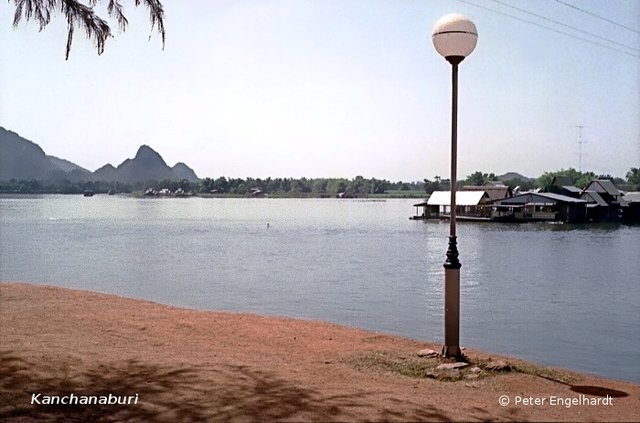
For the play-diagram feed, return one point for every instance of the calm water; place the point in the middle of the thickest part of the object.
(555, 294)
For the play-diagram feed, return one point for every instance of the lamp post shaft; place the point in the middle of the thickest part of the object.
(452, 265)
(454, 146)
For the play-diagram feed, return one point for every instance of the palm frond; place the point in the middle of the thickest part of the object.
(82, 15)
(156, 15)
(39, 10)
(69, 40)
(115, 10)
(95, 27)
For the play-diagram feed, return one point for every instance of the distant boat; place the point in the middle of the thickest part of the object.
(88, 193)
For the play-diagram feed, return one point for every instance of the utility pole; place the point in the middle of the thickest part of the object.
(580, 142)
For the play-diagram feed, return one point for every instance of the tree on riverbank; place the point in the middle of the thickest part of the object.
(633, 177)
(579, 179)
(478, 178)
(582, 179)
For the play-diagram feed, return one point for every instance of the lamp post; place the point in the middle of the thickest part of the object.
(454, 37)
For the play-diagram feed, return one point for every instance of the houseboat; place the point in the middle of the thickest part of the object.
(540, 207)
(599, 201)
(470, 205)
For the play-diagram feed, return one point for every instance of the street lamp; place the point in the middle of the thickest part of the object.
(454, 37)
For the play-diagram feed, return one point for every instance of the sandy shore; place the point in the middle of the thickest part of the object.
(184, 365)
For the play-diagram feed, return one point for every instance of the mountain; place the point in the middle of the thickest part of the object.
(69, 170)
(147, 165)
(182, 171)
(23, 159)
(66, 165)
(105, 173)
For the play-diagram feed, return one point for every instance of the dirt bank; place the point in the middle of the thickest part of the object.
(187, 365)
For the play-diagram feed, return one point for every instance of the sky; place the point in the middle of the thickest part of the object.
(334, 88)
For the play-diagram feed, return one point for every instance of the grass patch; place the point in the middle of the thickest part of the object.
(413, 366)
(405, 366)
(416, 367)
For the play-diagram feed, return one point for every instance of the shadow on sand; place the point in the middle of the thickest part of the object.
(598, 391)
(594, 391)
(187, 394)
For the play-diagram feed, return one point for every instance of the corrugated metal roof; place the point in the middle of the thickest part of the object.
(594, 197)
(540, 198)
(572, 188)
(560, 197)
(602, 186)
(463, 198)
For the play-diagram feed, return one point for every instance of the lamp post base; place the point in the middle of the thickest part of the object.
(449, 351)
(451, 348)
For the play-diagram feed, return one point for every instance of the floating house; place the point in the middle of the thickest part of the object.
(597, 208)
(632, 212)
(605, 201)
(598, 201)
(470, 205)
(540, 206)
(421, 211)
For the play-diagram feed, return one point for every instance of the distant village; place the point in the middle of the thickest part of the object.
(561, 201)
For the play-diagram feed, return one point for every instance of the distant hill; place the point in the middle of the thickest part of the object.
(22, 159)
(69, 170)
(147, 165)
(510, 176)
(105, 173)
(66, 165)
(182, 171)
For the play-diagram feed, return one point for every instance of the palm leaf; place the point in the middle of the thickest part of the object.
(82, 15)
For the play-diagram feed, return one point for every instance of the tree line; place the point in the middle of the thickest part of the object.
(582, 179)
(579, 179)
(310, 186)
(357, 186)
(319, 187)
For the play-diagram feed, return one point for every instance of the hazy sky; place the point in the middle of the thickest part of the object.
(333, 88)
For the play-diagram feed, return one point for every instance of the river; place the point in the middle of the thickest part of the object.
(558, 295)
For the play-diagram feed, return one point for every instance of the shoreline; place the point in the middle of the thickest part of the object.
(205, 365)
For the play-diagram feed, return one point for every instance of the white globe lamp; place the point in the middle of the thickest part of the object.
(455, 37)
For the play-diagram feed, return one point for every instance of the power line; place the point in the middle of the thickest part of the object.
(565, 25)
(598, 16)
(549, 28)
